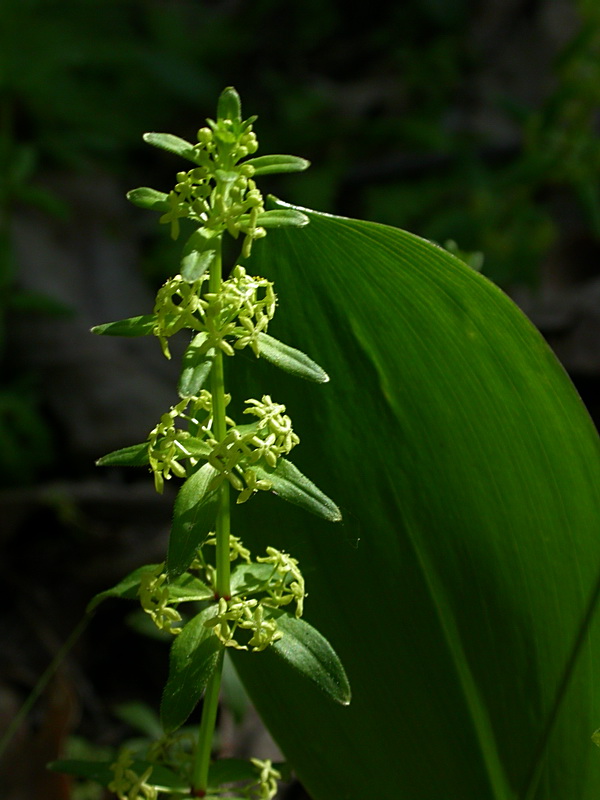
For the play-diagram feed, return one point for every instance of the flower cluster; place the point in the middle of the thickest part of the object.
(240, 310)
(275, 588)
(219, 193)
(287, 583)
(154, 599)
(246, 614)
(266, 788)
(268, 439)
(234, 457)
(169, 445)
(127, 784)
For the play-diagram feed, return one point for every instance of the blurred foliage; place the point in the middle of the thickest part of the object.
(383, 106)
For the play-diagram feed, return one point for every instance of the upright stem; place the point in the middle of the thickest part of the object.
(223, 527)
(217, 376)
(205, 734)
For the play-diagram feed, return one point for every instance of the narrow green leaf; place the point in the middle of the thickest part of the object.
(196, 367)
(172, 144)
(139, 716)
(308, 652)
(267, 165)
(144, 197)
(289, 359)
(230, 770)
(194, 517)
(184, 588)
(198, 254)
(161, 778)
(126, 589)
(286, 218)
(197, 447)
(136, 455)
(133, 326)
(98, 771)
(187, 588)
(249, 578)
(195, 264)
(291, 485)
(193, 659)
(229, 105)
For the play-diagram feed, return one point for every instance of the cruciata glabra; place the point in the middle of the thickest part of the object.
(210, 593)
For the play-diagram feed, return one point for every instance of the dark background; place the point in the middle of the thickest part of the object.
(475, 122)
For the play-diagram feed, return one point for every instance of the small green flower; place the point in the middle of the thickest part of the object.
(127, 784)
(290, 586)
(267, 786)
(176, 304)
(278, 426)
(154, 599)
(245, 614)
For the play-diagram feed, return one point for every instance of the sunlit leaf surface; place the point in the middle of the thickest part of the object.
(460, 589)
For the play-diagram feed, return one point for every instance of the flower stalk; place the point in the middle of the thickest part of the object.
(258, 603)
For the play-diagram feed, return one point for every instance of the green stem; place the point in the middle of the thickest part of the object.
(205, 734)
(222, 532)
(217, 376)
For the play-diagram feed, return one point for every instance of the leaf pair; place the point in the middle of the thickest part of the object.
(262, 165)
(196, 504)
(196, 365)
(196, 507)
(224, 771)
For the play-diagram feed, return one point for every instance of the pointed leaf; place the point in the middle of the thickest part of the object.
(184, 588)
(193, 659)
(286, 218)
(127, 588)
(98, 771)
(309, 652)
(229, 105)
(187, 588)
(193, 519)
(136, 455)
(198, 254)
(161, 778)
(289, 359)
(234, 770)
(172, 144)
(144, 197)
(196, 367)
(249, 578)
(267, 165)
(133, 326)
(139, 716)
(291, 485)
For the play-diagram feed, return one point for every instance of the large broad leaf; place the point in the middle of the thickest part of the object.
(460, 590)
